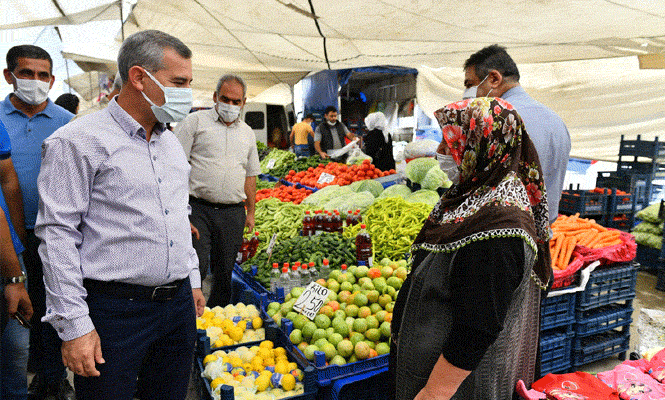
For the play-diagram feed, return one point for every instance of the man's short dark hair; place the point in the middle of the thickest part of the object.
(330, 109)
(310, 116)
(68, 101)
(493, 57)
(27, 51)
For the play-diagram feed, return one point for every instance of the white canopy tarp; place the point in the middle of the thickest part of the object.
(277, 41)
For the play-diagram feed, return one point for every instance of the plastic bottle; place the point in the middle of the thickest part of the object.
(343, 268)
(318, 222)
(359, 218)
(327, 222)
(307, 224)
(288, 286)
(325, 269)
(295, 276)
(349, 218)
(336, 222)
(242, 252)
(274, 277)
(305, 277)
(313, 273)
(283, 281)
(364, 246)
(253, 245)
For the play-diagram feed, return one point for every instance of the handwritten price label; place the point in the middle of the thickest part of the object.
(325, 178)
(271, 244)
(311, 300)
(271, 163)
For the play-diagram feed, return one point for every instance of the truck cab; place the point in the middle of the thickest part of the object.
(271, 123)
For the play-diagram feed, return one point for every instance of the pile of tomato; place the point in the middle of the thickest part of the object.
(284, 193)
(343, 174)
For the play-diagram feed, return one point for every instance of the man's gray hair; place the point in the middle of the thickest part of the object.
(146, 49)
(229, 78)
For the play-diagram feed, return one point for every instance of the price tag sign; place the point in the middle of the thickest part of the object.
(325, 178)
(311, 300)
(271, 244)
(271, 163)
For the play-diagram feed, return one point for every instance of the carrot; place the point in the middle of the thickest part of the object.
(557, 247)
(569, 251)
(601, 236)
(562, 262)
(588, 237)
(608, 244)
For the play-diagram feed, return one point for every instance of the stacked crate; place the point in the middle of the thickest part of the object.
(583, 202)
(634, 175)
(557, 318)
(603, 314)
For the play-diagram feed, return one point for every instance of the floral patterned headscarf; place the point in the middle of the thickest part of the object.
(500, 191)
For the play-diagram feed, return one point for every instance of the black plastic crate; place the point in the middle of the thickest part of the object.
(620, 203)
(622, 222)
(653, 169)
(583, 202)
(372, 385)
(607, 286)
(638, 185)
(653, 149)
(556, 311)
(600, 346)
(648, 258)
(603, 319)
(660, 283)
(555, 348)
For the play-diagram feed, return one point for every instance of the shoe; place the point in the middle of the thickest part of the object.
(63, 390)
(37, 389)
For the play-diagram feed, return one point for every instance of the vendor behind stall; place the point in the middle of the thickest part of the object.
(378, 143)
(466, 320)
(330, 135)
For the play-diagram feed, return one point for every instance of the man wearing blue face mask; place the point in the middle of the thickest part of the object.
(491, 72)
(221, 148)
(30, 117)
(121, 274)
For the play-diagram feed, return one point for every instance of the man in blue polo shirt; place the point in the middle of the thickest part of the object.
(30, 117)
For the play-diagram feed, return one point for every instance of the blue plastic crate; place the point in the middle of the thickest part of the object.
(226, 392)
(600, 346)
(602, 319)
(582, 202)
(372, 385)
(555, 348)
(389, 180)
(265, 295)
(619, 203)
(557, 311)
(648, 258)
(660, 283)
(607, 286)
(325, 374)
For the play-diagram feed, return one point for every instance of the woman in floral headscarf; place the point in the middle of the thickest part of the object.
(466, 321)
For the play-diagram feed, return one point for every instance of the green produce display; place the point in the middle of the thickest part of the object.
(424, 196)
(396, 191)
(393, 224)
(282, 158)
(274, 216)
(418, 168)
(262, 149)
(355, 322)
(332, 246)
(261, 184)
(301, 164)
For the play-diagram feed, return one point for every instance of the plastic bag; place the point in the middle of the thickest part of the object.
(421, 148)
(576, 385)
(344, 150)
(356, 156)
(650, 329)
(624, 252)
(565, 277)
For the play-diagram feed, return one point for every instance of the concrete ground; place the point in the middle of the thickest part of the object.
(646, 297)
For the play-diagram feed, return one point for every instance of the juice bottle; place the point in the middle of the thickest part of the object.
(364, 246)
(325, 269)
(336, 222)
(349, 218)
(242, 252)
(359, 218)
(318, 222)
(327, 224)
(307, 224)
(253, 245)
(274, 277)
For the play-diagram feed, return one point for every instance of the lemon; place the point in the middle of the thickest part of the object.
(282, 367)
(242, 325)
(236, 334)
(209, 358)
(279, 351)
(216, 321)
(219, 343)
(266, 344)
(288, 382)
(268, 361)
(247, 367)
(235, 361)
(264, 353)
(257, 323)
(293, 366)
(226, 324)
(208, 314)
(216, 382)
(262, 383)
(228, 341)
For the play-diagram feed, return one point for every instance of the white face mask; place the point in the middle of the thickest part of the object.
(331, 123)
(449, 166)
(31, 91)
(228, 112)
(177, 102)
(472, 92)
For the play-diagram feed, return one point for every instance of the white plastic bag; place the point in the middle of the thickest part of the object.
(344, 150)
(650, 329)
(421, 148)
(356, 156)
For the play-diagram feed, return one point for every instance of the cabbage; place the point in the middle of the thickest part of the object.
(350, 202)
(418, 168)
(426, 196)
(434, 178)
(370, 185)
(396, 191)
(326, 194)
(355, 185)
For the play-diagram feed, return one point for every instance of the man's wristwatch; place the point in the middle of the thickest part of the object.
(14, 279)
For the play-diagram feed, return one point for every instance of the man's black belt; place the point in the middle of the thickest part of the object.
(196, 200)
(124, 290)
